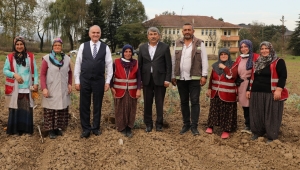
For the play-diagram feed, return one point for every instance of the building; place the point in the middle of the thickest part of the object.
(215, 33)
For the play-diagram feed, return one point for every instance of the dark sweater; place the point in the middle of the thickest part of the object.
(262, 81)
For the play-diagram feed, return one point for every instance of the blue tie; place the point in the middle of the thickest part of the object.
(95, 51)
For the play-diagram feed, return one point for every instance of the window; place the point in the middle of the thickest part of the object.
(226, 44)
(210, 32)
(206, 32)
(214, 32)
(177, 31)
(214, 43)
(205, 43)
(227, 32)
(174, 31)
(166, 31)
(202, 32)
(170, 30)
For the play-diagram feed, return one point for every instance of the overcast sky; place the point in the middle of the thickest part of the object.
(232, 11)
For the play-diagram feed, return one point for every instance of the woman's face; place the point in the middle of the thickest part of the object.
(244, 49)
(57, 46)
(127, 54)
(223, 57)
(264, 51)
(19, 46)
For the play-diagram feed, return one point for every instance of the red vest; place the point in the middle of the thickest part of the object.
(226, 88)
(122, 82)
(9, 82)
(274, 80)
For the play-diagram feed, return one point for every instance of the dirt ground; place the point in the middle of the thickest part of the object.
(155, 150)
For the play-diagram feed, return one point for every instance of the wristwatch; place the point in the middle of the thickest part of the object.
(205, 77)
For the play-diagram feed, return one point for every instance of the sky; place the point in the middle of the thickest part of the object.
(232, 11)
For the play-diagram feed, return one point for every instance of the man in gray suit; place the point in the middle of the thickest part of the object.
(156, 68)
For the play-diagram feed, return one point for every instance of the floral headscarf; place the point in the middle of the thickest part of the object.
(264, 61)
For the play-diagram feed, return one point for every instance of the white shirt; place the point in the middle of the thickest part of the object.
(152, 50)
(185, 62)
(108, 62)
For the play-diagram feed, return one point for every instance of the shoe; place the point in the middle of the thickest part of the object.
(246, 130)
(269, 141)
(85, 134)
(158, 128)
(148, 129)
(195, 131)
(96, 132)
(209, 130)
(52, 134)
(58, 132)
(254, 137)
(129, 133)
(124, 132)
(225, 135)
(185, 128)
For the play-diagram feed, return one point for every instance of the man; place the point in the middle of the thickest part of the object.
(189, 73)
(92, 58)
(156, 68)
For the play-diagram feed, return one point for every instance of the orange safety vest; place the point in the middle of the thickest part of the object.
(226, 88)
(122, 82)
(9, 82)
(274, 80)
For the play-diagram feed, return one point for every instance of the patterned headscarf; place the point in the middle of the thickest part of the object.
(264, 61)
(127, 64)
(249, 63)
(57, 59)
(227, 63)
(20, 56)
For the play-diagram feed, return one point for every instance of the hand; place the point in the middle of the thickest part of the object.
(248, 93)
(77, 87)
(222, 66)
(202, 81)
(208, 93)
(173, 82)
(277, 93)
(113, 91)
(69, 88)
(166, 84)
(45, 93)
(35, 87)
(138, 93)
(18, 78)
(106, 87)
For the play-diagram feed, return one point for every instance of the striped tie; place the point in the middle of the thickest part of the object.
(95, 51)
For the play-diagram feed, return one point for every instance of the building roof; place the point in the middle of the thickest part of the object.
(197, 21)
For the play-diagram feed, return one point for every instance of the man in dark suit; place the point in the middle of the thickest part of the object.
(156, 68)
(92, 59)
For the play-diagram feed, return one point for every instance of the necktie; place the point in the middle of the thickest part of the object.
(95, 51)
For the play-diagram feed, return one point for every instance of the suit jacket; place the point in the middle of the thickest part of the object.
(161, 64)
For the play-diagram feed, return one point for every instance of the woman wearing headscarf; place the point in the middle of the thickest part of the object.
(222, 92)
(56, 84)
(126, 89)
(22, 78)
(245, 63)
(267, 93)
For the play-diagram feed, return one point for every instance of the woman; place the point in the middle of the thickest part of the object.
(245, 64)
(22, 77)
(56, 83)
(222, 93)
(126, 89)
(267, 93)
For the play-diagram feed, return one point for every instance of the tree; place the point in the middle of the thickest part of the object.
(294, 43)
(168, 13)
(94, 16)
(133, 34)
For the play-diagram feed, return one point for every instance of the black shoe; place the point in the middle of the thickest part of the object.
(58, 132)
(85, 134)
(148, 128)
(195, 131)
(184, 129)
(96, 132)
(158, 128)
(52, 134)
(254, 137)
(128, 132)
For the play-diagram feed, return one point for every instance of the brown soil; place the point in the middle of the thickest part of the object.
(155, 150)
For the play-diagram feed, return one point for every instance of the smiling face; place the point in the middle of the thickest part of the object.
(223, 56)
(127, 54)
(19, 46)
(95, 33)
(57, 46)
(153, 37)
(188, 31)
(244, 49)
(264, 51)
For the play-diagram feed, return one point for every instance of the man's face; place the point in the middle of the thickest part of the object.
(153, 37)
(95, 33)
(187, 31)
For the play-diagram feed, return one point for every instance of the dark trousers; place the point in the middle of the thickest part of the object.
(189, 91)
(150, 91)
(87, 88)
(246, 116)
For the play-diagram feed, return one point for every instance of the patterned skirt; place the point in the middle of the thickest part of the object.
(125, 111)
(21, 120)
(223, 114)
(54, 119)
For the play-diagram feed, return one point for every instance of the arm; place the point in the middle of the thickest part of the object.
(204, 64)
(230, 73)
(36, 76)
(6, 69)
(109, 68)
(169, 66)
(208, 93)
(282, 76)
(77, 68)
(44, 69)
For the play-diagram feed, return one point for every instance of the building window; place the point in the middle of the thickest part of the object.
(210, 43)
(174, 31)
(177, 31)
(166, 31)
(205, 43)
(214, 32)
(227, 32)
(170, 30)
(210, 32)
(214, 43)
(226, 44)
(206, 32)
(202, 32)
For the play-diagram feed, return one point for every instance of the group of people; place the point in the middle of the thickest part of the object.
(257, 79)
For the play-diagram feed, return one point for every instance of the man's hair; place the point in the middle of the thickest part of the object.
(188, 24)
(153, 29)
(95, 26)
